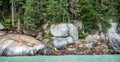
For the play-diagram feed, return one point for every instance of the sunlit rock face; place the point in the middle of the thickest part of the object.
(113, 37)
(64, 30)
(18, 44)
(59, 30)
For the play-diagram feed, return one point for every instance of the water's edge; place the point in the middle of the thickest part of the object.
(62, 58)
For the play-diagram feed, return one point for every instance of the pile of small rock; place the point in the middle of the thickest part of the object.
(87, 47)
(78, 47)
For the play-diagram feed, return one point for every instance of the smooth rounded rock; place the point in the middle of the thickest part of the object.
(59, 30)
(19, 44)
(64, 30)
(62, 42)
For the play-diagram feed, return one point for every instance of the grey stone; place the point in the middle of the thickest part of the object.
(59, 30)
(93, 37)
(73, 31)
(88, 45)
(1, 26)
(64, 30)
(69, 40)
(102, 37)
(62, 42)
(18, 44)
(113, 37)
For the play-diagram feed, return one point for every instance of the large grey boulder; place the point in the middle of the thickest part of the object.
(59, 42)
(64, 30)
(59, 30)
(1, 26)
(73, 31)
(113, 37)
(18, 44)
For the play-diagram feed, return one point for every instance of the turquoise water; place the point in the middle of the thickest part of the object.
(65, 58)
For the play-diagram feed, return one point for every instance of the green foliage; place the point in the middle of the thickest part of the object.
(29, 16)
(81, 34)
(88, 16)
(34, 13)
(105, 25)
(94, 12)
(48, 36)
(8, 23)
(118, 10)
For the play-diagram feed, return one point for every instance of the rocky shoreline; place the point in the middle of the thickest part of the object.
(64, 41)
(19, 44)
(81, 47)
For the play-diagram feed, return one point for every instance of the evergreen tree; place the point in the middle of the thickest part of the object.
(34, 13)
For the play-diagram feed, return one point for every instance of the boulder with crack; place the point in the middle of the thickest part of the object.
(64, 30)
(113, 37)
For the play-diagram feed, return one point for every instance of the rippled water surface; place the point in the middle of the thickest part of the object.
(65, 58)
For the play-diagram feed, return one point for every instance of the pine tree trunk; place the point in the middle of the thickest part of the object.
(18, 25)
(12, 9)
